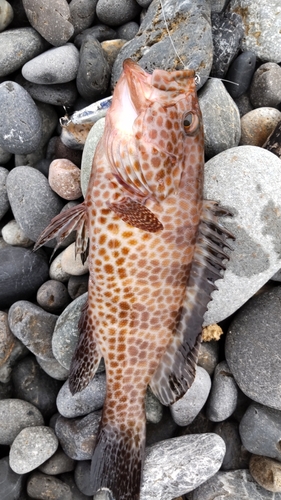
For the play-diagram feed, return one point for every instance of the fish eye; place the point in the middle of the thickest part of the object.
(190, 122)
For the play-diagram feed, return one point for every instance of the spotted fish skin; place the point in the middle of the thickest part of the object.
(155, 250)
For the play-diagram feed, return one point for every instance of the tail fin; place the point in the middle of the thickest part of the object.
(117, 461)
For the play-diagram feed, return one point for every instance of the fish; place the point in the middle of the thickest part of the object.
(155, 250)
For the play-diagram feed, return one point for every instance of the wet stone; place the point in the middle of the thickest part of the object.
(42, 486)
(84, 402)
(240, 73)
(118, 12)
(12, 485)
(4, 201)
(94, 72)
(34, 327)
(244, 104)
(236, 455)
(52, 296)
(77, 435)
(227, 30)
(57, 464)
(16, 415)
(223, 396)
(21, 273)
(266, 85)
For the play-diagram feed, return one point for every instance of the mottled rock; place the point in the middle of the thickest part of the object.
(223, 396)
(266, 472)
(84, 402)
(42, 486)
(25, 42)
(94, 72)
(240, 74)
(265, 86)
(258, 124)
(227, 30)
(118, 12)
(91, 143)
(71, 263)
(14, 235)
(64, 179)
(11, 484)
(16, 415)
(273, 142)
(10, 349)
(21, 274)
(57, 464)
(20, 122)
(77, 435)
(236, 455)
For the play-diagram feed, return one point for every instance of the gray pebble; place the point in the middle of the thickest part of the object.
(57, 65)
(5, 156)
(6, 15)
(227, 31)
(144, 3)
(32, 200)
(94, 71)
(153, 408)
(236, 455)
(57, 464)
(25, 42)
(12, 485)
(127, 31)
(82, 479)
(4, 200)
(260, 431)
(208, 356)
(52, 19)
(165, 429)
(53, 368)
(84, 402)
(221, 118)
(52, 296)
(223, 396)
(77, 285)
(60, 94)
(10, 349)
(266, 85)
(77, 494)
(42, 486)
(14, 235)
(252, 346)
(100, 31)
(20, 122)
(244, 104)
(77, 435)
(91, 143)
(118, 12)
(16, 415)
(185, 409)
(56, 272)
(34, 327)
(82, 14)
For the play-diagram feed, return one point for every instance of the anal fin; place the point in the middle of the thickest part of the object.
(176, 370)
(86, 357)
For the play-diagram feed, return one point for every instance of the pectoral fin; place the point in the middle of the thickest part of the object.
(136, 215)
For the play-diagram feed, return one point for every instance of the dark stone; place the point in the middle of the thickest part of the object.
(77, 435)
(60, 94)
(4, 200)
(273, 142)
(77, 494)
(21, 274)
(165, 429)
(57, 464)
(11, 484)
(52, 296)
(42, 486)
(82, 477)
(128, 31)
(94, 72)
(223, 396)
(100, 32)
(265, 88)
(20, 121)
(240, 73)
(236, 456)
(62, 151)
(77, 285)
(228, 31)
(16, 415)
(82, 14)
(118, 12)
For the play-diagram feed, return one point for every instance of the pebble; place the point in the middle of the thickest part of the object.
(82, 14)
(258, 124)
(84, 402)
(64, 179)
(243, 103)
(18, 134)
(76, 493)
(266, 85)
(273, 142)
(6, 14)
(165, 429)
(62, 151)
(32, 384)
(5, 156)
(77, 285)
(21, 273)
(255, 205)
(208, 356)
(33, 326)
(221, 119)
(43, 486)
(100, 32)
(153, 408)
(60, 94)
(118, 12)
(57, 65)
(56, 271)
(13, 235)
(82, 479)
(4, 200)
(233, 485)
(11, 349)
(227, 30)
(240, 73)
(77, 435)
(51, 20)
(251, 345)
(260, 431)
(57, 464)
(111, 49)
(71, 263)
(25, 42)
(186, 408)
(91, 143)
(16, 415)
(52, 296)
(53, 368)
(236, 455)
(223, 396)
(127, 31)
(12, 485)
(262, 24)
(266, 472)
(93, 72)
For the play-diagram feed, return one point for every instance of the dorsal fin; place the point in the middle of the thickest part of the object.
(176, 370)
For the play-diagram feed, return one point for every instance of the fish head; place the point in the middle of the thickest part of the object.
(154, 130)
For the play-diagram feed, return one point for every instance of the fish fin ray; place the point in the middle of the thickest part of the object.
(86, 357)
(176, 371)
(136, 215)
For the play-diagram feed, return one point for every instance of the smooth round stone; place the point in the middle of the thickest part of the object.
(53, 368)
(77, 435)
(34, 327)
(252, 344)
(255, 224)
(32, 200)
(64, 179)
(12, 485)
(221, 119)
(56, 271)
(21, 273)
(31, 448)
(100, 32)
(265, 88)
(4, 200)
(118, 12)
(240, 73)
(128, 30)
(68, 478)
(185, 409)
(273, 142)
(42, 486)
(13, 235)
(227, 30)
(6, 14)
(223, 396)
(32, 384)
(91, 143)
(25, 42)
(17, 134)
(16, 415)
(71, 263)
(60, 94)
(260, 431)
(52, 296)
(266, 472)
(10, 349)
(82, 14)
(62, 151)
(49, 119)
(208, 356)
(262, 24)
(236, 456)
(57, 464)
(77, 285)
(257, 125)
(58, 65)
(84, 402)
(94, 72)
(243, 103)
(51, 19)
(153, 408)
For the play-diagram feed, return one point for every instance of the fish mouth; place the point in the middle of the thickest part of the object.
(139, 84)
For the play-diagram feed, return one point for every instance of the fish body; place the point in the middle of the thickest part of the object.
(155, 249)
